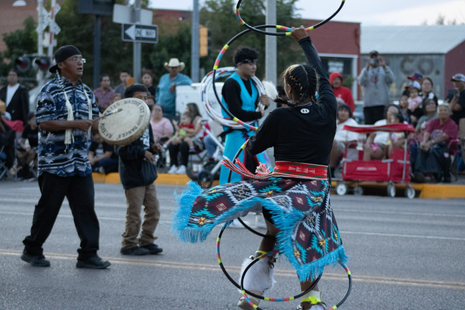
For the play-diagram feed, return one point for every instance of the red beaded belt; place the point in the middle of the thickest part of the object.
(284, 169)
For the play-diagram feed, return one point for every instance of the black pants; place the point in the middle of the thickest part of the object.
(182, 148)
(433, 161)
(373, 114)
(80, 194)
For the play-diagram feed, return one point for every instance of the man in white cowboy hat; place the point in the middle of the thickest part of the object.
(166, 89)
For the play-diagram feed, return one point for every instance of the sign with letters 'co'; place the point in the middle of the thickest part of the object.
(139, 33)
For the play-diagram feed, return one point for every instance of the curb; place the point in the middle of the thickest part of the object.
(427, 191)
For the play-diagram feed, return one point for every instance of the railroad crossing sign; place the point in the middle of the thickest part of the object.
(47, 19)
(139, 33)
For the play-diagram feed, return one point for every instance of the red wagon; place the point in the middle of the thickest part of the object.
(393, 170)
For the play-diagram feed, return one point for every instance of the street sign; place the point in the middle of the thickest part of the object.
(139, 33)
(123, 14)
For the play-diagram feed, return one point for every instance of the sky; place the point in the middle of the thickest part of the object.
(367, 12)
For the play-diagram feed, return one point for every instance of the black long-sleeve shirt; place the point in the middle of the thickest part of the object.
(232, 95)
(304, 133)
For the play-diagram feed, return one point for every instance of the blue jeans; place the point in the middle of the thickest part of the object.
(210, 146)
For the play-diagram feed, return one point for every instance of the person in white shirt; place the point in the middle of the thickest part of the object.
(343, 137)
(16, 98)
(375, 145)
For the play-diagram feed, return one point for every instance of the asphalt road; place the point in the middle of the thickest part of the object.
(404, 254)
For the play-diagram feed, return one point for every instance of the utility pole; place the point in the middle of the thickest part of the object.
(195, 43)
(40, 39)
(97, 53)
(270, 44)
(137, 45)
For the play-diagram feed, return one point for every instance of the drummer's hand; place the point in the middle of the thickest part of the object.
(172, 88)
(149, 156)
(265, 100)
(156, 148)
(82, 124)
(299, 33)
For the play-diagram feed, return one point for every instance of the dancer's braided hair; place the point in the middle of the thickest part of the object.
(303, 80)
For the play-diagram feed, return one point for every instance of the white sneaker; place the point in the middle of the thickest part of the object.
(181, 170)
(237, 224)
(173, 169)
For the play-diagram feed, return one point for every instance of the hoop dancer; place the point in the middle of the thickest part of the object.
(295, 197)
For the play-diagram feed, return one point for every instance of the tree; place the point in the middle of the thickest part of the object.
(19, 42)
(221, 18)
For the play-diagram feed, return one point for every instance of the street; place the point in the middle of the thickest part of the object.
(404, 254)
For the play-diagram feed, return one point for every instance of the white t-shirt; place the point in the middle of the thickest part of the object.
(10, 91)
(382, 137)
(345, 135)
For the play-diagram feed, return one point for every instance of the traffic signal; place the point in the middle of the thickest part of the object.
(43, 63)
(23, 64)
(204, 41)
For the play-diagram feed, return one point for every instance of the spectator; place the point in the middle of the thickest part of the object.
(434, 156)
(166, 89)
(104, 94)
(147, 80)
(403, 105)
(415, 101)
(27, 151)
(376, 77)
(150, 101)
(116, 97)
(161, 126)
(430, 109)
(16, 98)
(414, 77)
(375, 146)
(396, 139)
(124, 77)
(457, 104)
(426, 94)
(184, 131)
(7, 142)
(343, 137)
(183, 147)
(340, 91)
(101, 155)
(138, 174)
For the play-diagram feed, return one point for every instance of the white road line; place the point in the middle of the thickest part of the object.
(399, 235)
(342, 232)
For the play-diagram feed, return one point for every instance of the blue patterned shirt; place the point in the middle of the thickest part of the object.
(54, 158)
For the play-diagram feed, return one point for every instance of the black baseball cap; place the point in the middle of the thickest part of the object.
(374, 53)
(62, 54)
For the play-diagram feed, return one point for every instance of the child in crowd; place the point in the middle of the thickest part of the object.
(116, 97)
(396, 139)
(404, 108)
(414, 101)
(150, 101)
(184, 132)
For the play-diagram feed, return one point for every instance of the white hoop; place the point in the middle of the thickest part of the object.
(206, 87)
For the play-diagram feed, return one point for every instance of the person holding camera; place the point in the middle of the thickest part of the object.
(376, 78)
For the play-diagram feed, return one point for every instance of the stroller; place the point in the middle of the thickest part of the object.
(393, 170)
(201, 170)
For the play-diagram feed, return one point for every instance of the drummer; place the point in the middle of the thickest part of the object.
(65, 109)
(138, 174)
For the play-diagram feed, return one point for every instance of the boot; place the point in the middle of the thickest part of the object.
(258, 280)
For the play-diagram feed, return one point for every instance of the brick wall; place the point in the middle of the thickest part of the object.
(455, 63)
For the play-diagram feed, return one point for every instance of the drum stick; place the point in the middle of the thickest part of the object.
(108, 114)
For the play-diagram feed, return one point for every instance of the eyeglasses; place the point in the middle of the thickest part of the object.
(77, 59)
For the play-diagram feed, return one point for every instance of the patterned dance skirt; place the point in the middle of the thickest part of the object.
(300, 209)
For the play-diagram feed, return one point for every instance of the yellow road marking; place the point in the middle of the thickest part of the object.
(236, 269)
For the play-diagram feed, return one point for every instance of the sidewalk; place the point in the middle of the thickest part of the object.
(426, 191)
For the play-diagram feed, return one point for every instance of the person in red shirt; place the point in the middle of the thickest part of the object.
(434, 156)
(335, 79)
